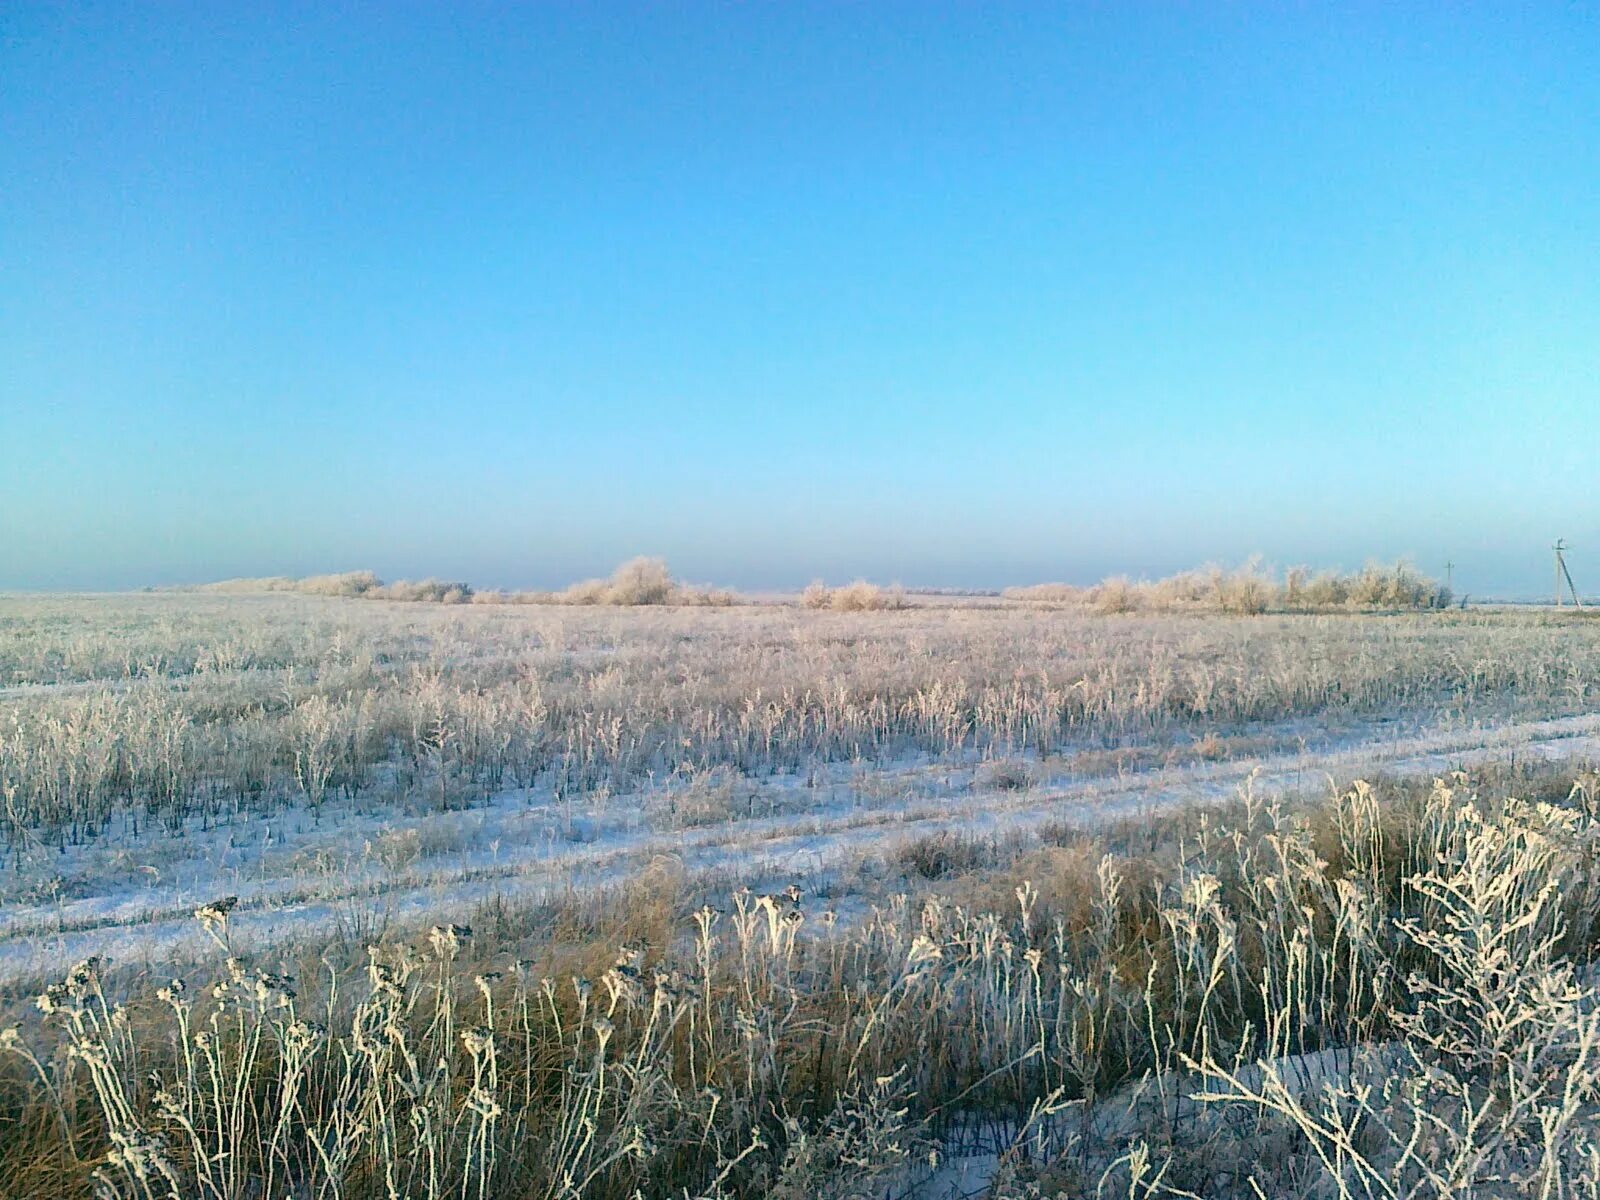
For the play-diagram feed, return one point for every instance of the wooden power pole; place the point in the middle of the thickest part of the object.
(1563, 575)
(1450, 577)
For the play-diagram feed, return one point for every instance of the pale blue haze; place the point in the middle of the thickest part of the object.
(955, 294)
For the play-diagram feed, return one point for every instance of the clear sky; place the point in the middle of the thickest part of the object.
(954, 294)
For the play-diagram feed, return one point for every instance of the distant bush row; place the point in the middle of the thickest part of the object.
(362, 584)
(640, 581)
(1252, 588)
(636, 582)
(859, 596)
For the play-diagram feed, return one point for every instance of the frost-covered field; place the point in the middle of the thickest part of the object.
(583, 780)
(311, 755)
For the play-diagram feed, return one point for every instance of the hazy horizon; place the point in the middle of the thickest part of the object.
(955, 296)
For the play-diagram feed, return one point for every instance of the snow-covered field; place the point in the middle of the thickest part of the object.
(472, 753)
(763, 900)
(378, 867)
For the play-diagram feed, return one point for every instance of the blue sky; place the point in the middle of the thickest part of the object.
(954, 294)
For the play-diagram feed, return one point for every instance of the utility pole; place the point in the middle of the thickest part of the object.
(1449, 577)
(1563, 575)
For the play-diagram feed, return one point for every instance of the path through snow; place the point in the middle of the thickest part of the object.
(511, 847)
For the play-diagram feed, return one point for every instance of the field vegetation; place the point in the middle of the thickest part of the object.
(1379, 991)
(164, 708)
(639, 581)
(1384, 993)
(859, 596)
(1252, 588)
(1243, 591)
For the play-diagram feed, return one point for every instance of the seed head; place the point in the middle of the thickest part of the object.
(216, 913)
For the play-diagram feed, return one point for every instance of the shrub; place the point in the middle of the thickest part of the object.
(703, 596)
(1048, 593)
(1116, 595)
(438, 591)
(941, 854)
(1294, 587)
(641, 581)
(590, 591)
(1398, 585)
(638, 582)
(1249, 590)
(712, 797)
(1327, 590)
(859, 596)
(1005, 775)
(349, 583)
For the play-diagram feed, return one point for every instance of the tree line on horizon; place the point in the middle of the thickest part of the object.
(1250, 589)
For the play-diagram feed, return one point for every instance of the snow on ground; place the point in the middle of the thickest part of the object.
(970, 1164)
(363, 866)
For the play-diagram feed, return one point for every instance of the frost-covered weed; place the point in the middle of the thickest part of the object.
(1386, 995)
(191, 709)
